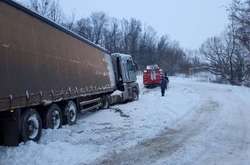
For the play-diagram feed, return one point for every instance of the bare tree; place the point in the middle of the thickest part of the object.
(84, 28)
(124, 36)
(48, 8)
(213, 50)
(40, 6)
(225, 56)
(131, 33)
(55, 12)
(99, 22)
(113, 36)
(70, 22)
(133, 36)
(240, 14)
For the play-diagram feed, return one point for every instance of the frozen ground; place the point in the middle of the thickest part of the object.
(196, 123)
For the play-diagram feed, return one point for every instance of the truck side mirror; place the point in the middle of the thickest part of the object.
(135, 66)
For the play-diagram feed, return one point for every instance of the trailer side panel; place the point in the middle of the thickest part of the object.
(40, 62)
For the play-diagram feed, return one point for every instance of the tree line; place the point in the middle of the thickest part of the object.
(129, 36)
(228, 55)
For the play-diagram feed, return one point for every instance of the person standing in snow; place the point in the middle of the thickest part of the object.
(164, 84)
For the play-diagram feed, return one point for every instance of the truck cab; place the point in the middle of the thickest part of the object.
(125, 77)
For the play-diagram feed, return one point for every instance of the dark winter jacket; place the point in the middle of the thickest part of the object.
(164, 82)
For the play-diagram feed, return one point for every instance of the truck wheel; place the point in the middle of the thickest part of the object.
(53, 118)
(71, 113)
(31, 125)
(135, 96)
(105, 103)
(135, 93)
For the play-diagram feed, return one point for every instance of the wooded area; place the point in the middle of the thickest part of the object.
(128, 36)
(228, 55)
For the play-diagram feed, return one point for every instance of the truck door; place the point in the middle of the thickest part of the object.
(131, 70)
(128, 70)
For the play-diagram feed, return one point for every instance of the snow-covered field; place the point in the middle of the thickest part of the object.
(196, 123)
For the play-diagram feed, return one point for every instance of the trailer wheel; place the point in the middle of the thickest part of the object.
(135, 94)
(31, 125)
(105, 102)
(53, 118)
(71, 113)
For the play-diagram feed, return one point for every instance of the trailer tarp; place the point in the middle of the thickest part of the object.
(42, 61)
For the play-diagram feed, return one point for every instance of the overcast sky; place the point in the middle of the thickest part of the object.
(188, 21)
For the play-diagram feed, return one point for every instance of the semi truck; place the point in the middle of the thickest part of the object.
(48, 75)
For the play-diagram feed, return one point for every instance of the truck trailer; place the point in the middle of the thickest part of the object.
(49, 74)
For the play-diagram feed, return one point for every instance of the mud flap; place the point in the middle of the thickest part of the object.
(10, 128)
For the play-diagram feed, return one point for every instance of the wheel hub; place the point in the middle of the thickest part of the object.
(72, 113)
(33, 125)
(56, 119)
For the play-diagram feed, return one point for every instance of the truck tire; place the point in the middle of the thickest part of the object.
(71, 113)
(135, 94)
(53, 117)
(31, 125)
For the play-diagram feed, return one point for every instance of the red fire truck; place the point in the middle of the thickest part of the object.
(152, 76)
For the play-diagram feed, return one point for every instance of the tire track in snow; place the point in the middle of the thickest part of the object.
(167, 143)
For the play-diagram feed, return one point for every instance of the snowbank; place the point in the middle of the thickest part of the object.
(113, 130)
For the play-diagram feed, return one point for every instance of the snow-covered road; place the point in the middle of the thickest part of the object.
(196, 123)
